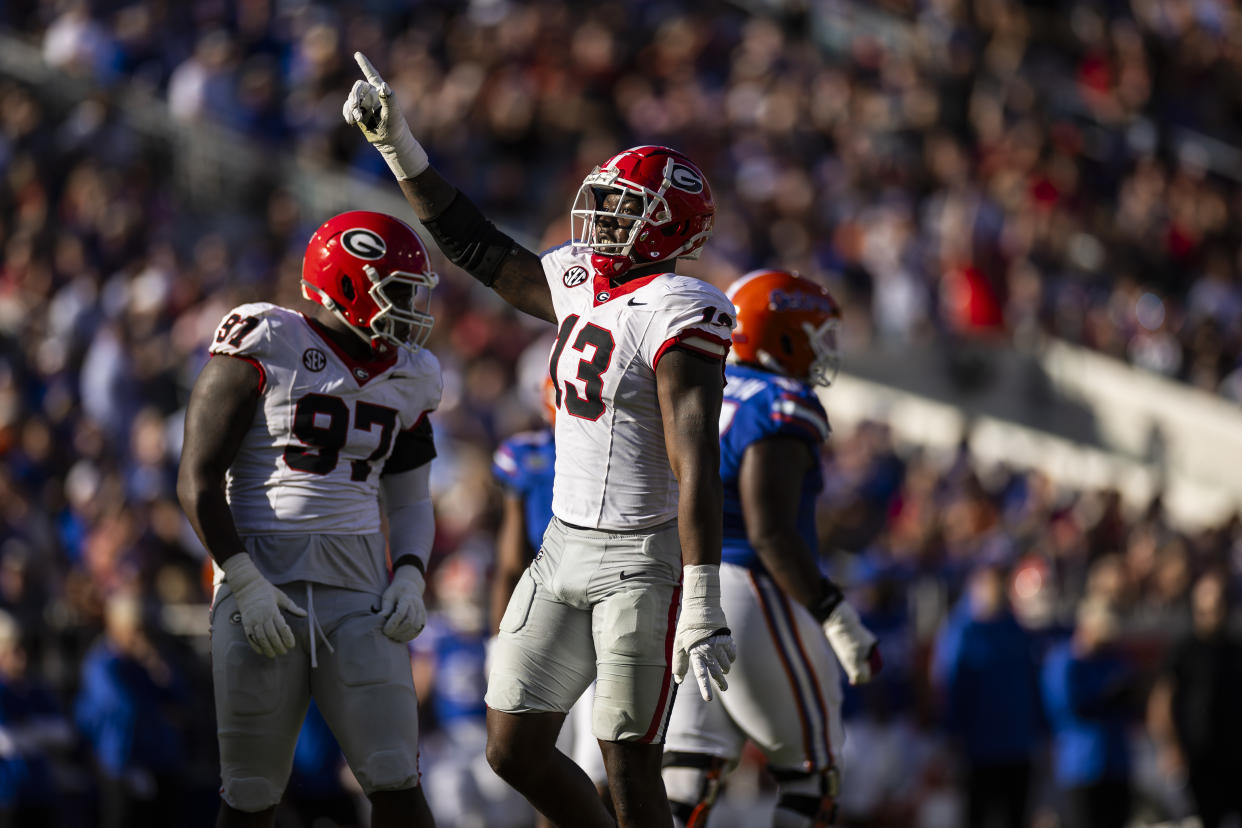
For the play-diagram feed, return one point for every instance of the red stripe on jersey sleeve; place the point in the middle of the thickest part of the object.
(703, 348)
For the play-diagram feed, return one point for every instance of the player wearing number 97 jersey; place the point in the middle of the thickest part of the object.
(295, 428)
(328, 426)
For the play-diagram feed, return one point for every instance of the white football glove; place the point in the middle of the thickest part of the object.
(373, 108)
(702, 640)
(402, 605)
(853, 643)
(259, 602)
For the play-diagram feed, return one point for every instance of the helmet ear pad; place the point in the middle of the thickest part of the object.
(675, 229)
(347, 288)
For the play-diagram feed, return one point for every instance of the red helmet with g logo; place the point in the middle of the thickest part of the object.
(787, 325)
(662, 199)
(373, 272)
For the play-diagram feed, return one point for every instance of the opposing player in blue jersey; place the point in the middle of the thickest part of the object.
(523, 466)
(788, 619)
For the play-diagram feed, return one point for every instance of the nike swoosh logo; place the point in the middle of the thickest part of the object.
(625, 577)
(632, 302)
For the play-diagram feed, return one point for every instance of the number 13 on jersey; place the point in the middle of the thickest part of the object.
(595, 345)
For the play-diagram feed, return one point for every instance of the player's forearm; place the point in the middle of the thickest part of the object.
(208, 511)
(512, 553)
(428, 193)
(699, 521)
(791, 564)
(503, 584)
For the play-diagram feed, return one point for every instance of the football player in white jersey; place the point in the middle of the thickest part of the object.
(637, 369)
(299, 430)
(789, 618)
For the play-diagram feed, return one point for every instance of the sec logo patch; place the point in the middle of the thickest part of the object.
(575, 276)
(314, 359)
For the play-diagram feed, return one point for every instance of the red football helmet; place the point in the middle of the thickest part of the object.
(368, 268)
(669, 215)
(786, 324)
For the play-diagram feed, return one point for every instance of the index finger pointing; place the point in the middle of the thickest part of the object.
(368, 70)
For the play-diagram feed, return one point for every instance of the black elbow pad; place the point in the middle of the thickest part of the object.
(469, 240)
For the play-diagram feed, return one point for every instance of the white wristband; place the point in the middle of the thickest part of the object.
(404, 156)
(700, 585)
(239, 570)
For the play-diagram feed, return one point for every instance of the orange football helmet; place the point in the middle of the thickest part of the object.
(786, 324)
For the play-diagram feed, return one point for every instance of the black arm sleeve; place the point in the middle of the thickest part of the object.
(469, 240)
(413, 448)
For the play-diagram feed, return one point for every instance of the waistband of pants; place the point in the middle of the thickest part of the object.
(649, 530)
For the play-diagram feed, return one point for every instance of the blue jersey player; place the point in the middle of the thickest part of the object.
(523, 465)
(788, 619)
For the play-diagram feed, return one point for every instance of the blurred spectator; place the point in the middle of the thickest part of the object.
(75, 41)
(1087, 685)
(981, 167)
(34, 732)
(122, 711)
(1194, 709)
(986, 666)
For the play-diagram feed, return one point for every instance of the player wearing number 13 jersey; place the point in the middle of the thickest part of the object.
(636, 495)
(294, 428)
(612, 470)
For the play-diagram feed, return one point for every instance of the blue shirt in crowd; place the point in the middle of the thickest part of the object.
(1084, 698)
(988, 671)
(120, 711)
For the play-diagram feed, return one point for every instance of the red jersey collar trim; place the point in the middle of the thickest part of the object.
(609, 292)
(362, 370)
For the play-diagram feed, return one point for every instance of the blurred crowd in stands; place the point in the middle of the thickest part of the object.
(1067, 167)
(949, 169)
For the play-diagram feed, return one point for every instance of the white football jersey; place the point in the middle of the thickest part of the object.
(326, 426)
(612, 469)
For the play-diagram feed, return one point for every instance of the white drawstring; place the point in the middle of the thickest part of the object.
(314, 629)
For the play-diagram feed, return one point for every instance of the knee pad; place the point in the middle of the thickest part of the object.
(806, 800)
(692, 781)
(250, 794)
(387, 770)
